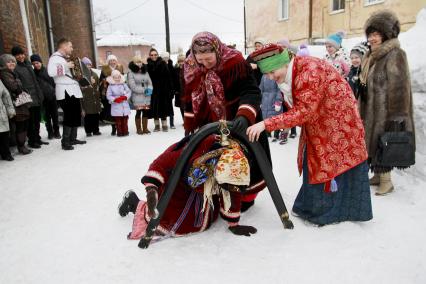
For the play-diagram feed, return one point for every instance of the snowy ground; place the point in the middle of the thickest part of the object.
(59, 224)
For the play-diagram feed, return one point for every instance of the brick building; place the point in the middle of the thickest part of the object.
(124, 46)
(36, 25)
(306, 20)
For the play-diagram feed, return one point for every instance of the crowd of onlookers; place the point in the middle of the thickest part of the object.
(29, 96)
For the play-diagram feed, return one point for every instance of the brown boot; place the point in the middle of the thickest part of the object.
(138, 125)
(157, 125)
(145, 125)
(375, 180)
(20, 140)
(386, 185)
(164, 125)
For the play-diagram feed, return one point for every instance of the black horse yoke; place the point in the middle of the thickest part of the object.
(260, 156)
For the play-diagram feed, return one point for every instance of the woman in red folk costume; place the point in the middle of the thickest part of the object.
(219, 84)
(332, 151)
(215, 182)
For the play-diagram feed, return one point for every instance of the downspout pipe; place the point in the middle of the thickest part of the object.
(95, 47)
(26, 26)
(49, 27)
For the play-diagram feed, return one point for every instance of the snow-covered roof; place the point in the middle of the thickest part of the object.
(122, 40)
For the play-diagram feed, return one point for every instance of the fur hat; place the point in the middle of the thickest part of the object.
(110, 79)
(360, 49)
(259, 40)
(284, 43)
(303, 50)
(16, 50)
(165, 55)
(111, 57)
(86, 61)
(4, 59)
(36, 57)
(384, 22)
(336, 39)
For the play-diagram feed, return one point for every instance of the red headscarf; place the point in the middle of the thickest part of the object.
(205, 83)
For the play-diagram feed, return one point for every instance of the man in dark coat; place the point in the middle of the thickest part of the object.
(47, 86)
(30, 84)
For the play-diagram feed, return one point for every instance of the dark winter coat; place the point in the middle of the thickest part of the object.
(353, 79)
(26, 74)
(161, 99)
(14, 86)
(388, 95)
(46, 83)
(178, 84)
(256, 72)
(91, 96)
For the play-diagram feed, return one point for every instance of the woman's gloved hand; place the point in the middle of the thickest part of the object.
(240, 124)
(241, 230)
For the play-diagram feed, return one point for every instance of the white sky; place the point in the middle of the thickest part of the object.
(224, 18)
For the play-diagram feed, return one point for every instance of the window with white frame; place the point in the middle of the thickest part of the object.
(372, 2)
(283, 10)
(337, 5)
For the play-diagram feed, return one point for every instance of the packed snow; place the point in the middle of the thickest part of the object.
(59, 220)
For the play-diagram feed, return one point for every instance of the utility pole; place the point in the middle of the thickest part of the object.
(166, 12)
(245, 28)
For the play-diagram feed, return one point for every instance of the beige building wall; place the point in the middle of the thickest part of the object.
(262, 20)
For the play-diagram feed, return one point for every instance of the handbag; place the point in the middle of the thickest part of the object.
(396, 149)
(22, 98)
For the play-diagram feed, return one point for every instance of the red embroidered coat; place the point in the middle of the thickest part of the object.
(326, 109)
(184, 197)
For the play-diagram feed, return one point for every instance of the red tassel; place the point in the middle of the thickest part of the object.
(327, 187)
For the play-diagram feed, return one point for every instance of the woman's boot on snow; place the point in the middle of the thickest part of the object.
(157, 125)
(20, 140)
(164, 125)
(375, 180)
(145, 126)
(128, 204)
(138, 125)
(386, 185)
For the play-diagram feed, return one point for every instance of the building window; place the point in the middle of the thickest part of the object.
(372, 2)
(108, 53)
(283, 10)
(337, 5)
(138, 53)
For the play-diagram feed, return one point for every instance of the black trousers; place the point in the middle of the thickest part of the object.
(4, 145)
(91, 123)
(33, 132)
(72, 111)
(51, 114)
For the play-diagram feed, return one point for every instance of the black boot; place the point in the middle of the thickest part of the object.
(113, 130)
(66, 136)
(128, 204)
(73, 139)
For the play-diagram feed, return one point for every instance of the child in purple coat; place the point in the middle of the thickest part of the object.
(117, 94)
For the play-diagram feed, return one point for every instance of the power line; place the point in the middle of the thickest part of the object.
(124, 14)
(212, 12)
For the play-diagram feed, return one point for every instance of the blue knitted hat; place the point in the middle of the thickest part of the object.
(335, 39)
